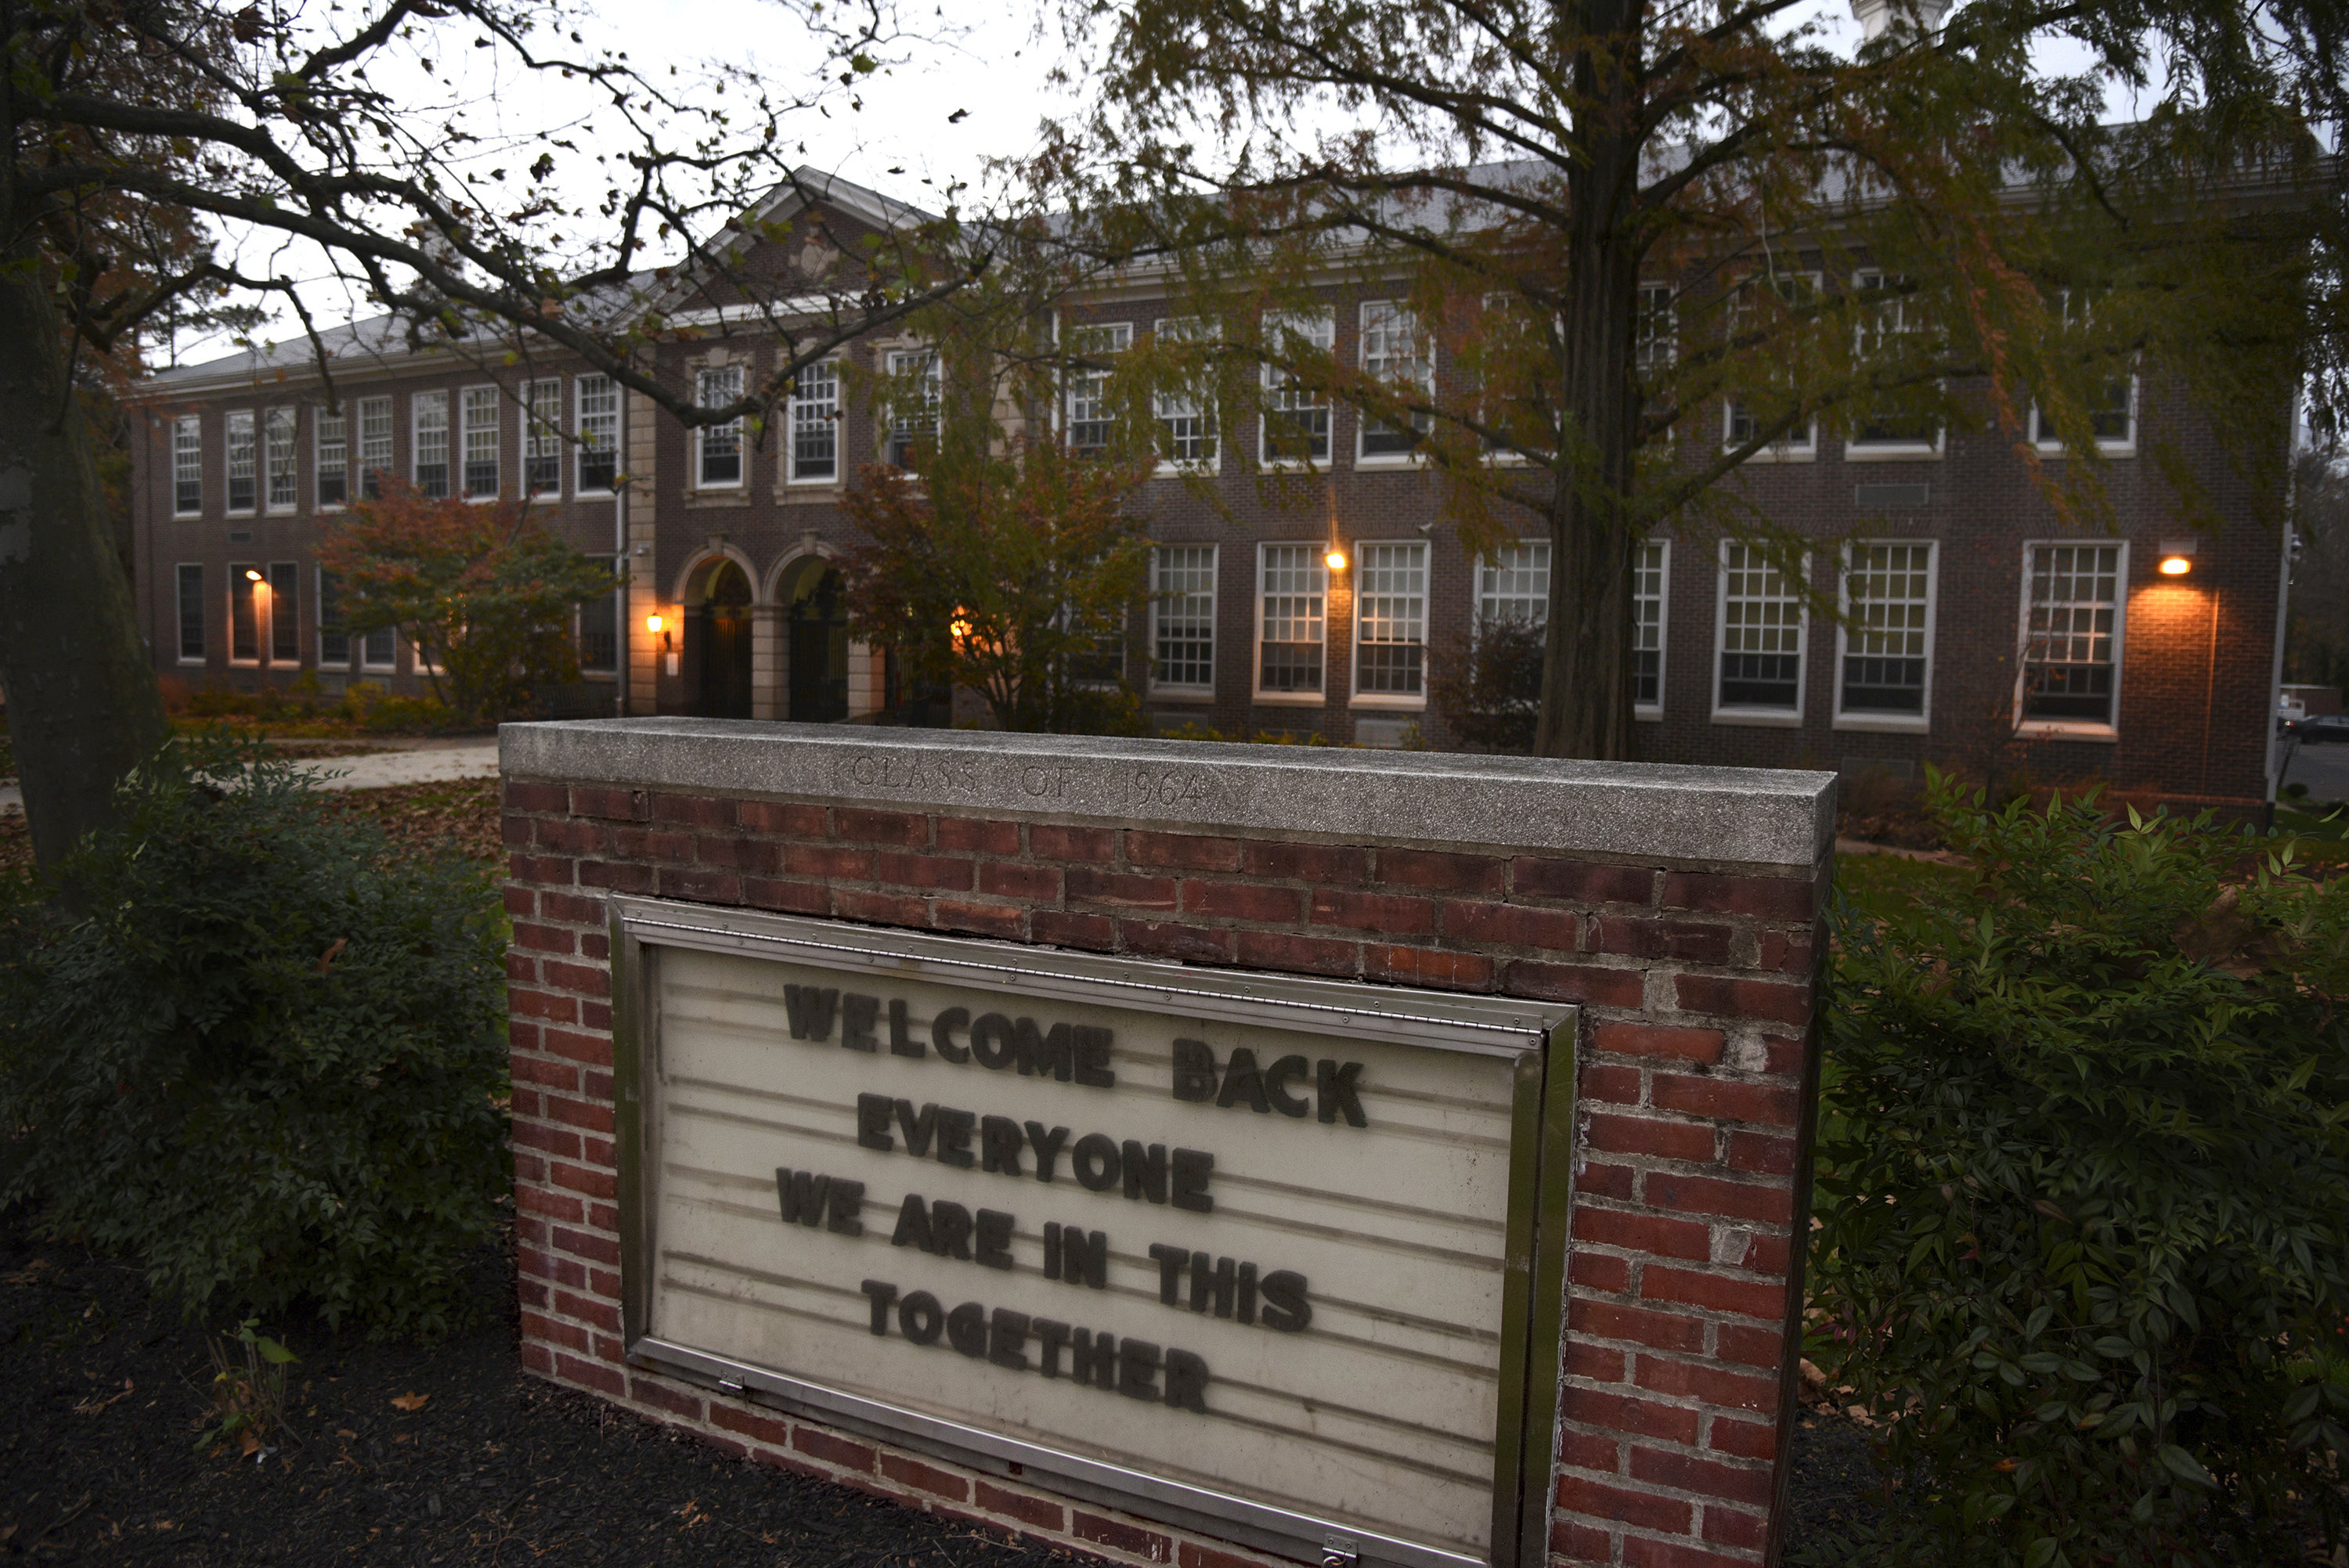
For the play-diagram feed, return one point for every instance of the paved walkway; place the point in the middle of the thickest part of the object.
(426, 762)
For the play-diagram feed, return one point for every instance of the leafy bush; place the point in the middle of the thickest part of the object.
(2084, 1179)
(260, 1050)
(1486, 688)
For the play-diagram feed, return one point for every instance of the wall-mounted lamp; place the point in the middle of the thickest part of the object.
(653, 624)
(1335, 558)
(251, 575)
(2177, 556)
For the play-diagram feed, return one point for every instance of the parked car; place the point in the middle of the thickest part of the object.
(2318, 727)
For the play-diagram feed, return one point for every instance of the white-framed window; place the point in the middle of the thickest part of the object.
(1884, 669)
(244, 595)
(1887, 434)
(277, 454)
(542, 439)
(482, 432)
(1182, 619)
(2111, 413)
(815, 423)
(1101, 662)
(375, 445)
(1741, 420)
(599, 635)
(186, 466)
(334, 637)
(379, 650)
(1291, 630)
(1085, 407)
(284, 613)
(1390, 624)
(2073, 622)
(330, 435)
(914, 402)
(599, 434)
(1656, 340)
(1513, 584)
(1296, 422)
(242, 492)
(191, 613)
(428, 416)
(1651, 567)
(719, 451)
(1395, 351)
(1763, 618)
(1186, 417)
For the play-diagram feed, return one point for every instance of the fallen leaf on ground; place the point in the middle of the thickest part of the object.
(409, 1401)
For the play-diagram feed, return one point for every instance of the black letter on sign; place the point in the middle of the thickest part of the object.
(1276, 1085)
(993, 1235)
(1195, 1070)
(1245, 1310)
(917, 1128)
(1050, 1336)
(809, 1011)
(951, 1230)
(1186, 1381)
(873, 1122)
(954, 1138)
(1084, 1257)
(804, 1195)
(942, 1028)
(1095, 1162)
(998, 1144)
(1093, 1057)
(882, 1295)
(1192, 1168)
(847, 1217)
(1171, 1261)
(1007, 1339)
(1046, 1146)
(994, 1041)
(1335, 1086)
(1285, 1306)
(1241, 1081)
(1094, 1356)
(901, 1044)
(918, 1318)
(967, 1329)
(913, 1224)
(1137, 1368)
(1145, 1172)
(856, 1016)
(1214, 1285)
(1046, 1055)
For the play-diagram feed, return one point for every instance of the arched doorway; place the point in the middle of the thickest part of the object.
(718, 643)
(817, 624)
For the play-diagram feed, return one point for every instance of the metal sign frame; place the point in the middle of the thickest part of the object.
(1537, 1038)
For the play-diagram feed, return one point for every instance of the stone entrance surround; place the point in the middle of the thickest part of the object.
(1679, 906)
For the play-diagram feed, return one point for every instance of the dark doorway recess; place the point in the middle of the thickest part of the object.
(723, 622)
(819, 651)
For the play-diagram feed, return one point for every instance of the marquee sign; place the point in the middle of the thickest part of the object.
(1274, 1258)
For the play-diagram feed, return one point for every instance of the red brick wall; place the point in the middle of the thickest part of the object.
(1697, 984)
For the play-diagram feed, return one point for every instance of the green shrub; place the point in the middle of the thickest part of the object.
(2084, 1195)
(260, 1050)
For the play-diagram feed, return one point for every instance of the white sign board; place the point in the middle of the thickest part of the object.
(1253, 1253)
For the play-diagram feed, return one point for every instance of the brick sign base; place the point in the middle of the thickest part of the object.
(1679, 907)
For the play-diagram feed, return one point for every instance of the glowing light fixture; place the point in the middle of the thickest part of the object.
(1335, 558)
(652, 623)
(251, 575)
(2177, 556)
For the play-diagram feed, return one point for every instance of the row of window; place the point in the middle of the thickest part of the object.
(261, 472)
(265, 611)
(2071, 628)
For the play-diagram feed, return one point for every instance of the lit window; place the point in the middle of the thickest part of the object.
(600, 433)
(1296, 416)
(333, 458)
(815, 421)
(1293, 586)
(1389, 620)
(186, 466)
(191, 614)
(1186, 417)
(913, 404)
(1395, 351)
(481, 442)
(375, 445)
(2071, 658)
(1761, 632)
(1649, 563)
(1088, 410)
(1183, 617)
(240, 461)
(721, 444)
(428, 412)
(541, 452)
(1887, 601)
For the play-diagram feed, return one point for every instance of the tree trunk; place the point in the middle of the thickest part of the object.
(83, 706)
(1585, 701)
